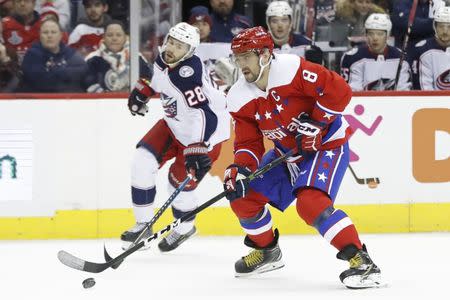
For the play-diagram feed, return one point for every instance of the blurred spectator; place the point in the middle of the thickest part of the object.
(88, 33)
(6, 7)
(21, 29)
(374, 66)
(430, 59)
(61, 6)
(50, 66)
(9, 70)
(325, 12)
(109, 65)
(354, 13)
(201, 19)
(423, 22)
(226, 22)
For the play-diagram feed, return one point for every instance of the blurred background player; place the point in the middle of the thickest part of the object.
(87, 35)
(300, 109)
(279, 22)
(430, 57)
(374, 66)
(194, 125)
(226, 22)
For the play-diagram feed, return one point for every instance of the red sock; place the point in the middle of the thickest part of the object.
(262, 239)
(345, 237)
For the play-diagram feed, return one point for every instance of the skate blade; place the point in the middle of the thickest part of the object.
(126, 246)
(267, 268)
(364, 282)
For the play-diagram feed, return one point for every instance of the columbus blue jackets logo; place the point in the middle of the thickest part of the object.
(186, 71)
(169, 105)
(443, 81)
(382, 84)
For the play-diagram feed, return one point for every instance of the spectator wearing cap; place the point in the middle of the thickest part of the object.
(88, 33)
(201, 19)
(50, 66)
(226, 23)
(21, 30)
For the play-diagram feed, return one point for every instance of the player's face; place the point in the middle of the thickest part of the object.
(175, 50)
(115, 38)
(280, 26)
(443, 32)
(363, 6)
(95, 10)
(248, 62)
(24, 7)
(204, 29)
(50, 35)
(222, 7)
(376, 39)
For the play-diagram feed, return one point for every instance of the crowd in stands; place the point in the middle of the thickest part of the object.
(77, 46)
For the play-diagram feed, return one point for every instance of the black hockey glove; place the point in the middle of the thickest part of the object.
(196, 160)
(314, 54)
(139, 96)
(236, 182)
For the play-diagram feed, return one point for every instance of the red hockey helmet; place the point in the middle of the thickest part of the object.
(255, 38)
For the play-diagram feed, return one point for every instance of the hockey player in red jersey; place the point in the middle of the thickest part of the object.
(297, 105)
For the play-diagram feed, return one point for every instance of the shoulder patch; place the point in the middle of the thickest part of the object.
(421, 43)
(186, 71)
(352, 51)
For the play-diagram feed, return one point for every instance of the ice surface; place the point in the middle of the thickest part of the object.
(414, 265)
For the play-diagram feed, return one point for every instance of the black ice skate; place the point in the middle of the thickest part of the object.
(129, 236)
(174, 239)
(363, 273)
(260, 260)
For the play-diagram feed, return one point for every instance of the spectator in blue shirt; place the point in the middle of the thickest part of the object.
(49, 66)
(225, 22)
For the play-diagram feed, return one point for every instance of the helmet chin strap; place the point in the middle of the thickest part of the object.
(261, 68)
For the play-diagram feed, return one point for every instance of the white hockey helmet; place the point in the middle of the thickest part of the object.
(442, 15)
(184, 33)
(278, 9)
(379, 22)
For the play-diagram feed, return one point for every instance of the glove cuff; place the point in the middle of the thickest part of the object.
(143, 86)
(241, 169)
(196, 149)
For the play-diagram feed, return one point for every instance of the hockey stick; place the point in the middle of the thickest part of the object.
(92, 267)
(153, 220)
(412, 14)
(368, 181)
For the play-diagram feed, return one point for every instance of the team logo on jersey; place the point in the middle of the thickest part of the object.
(169, 105)
(443, 81)
(382, 84)
(186, 71)
(115, 81)
(15, 38)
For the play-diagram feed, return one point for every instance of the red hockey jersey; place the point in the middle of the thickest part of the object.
(295, 86)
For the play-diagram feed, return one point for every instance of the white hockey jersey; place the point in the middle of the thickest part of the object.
(194, 110)
(431, 65)
(364, 70)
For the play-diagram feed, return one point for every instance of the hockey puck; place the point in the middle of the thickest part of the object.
(88, 283)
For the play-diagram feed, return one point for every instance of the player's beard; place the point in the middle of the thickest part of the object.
(249, 75)
(169, 57)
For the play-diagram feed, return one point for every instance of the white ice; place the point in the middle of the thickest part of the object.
(414, 265)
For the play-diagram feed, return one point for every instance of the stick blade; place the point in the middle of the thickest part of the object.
(108, 258)
(79, 264)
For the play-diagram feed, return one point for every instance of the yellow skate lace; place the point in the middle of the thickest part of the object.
(255, 257)
(356, 261)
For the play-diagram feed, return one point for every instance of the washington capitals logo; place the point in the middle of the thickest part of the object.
(169, 106)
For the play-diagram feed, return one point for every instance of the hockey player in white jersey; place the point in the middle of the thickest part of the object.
(279, 18)
(374, 66)
(431, 57)
(195, 123)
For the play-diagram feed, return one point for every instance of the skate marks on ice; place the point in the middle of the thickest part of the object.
(413, 265)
